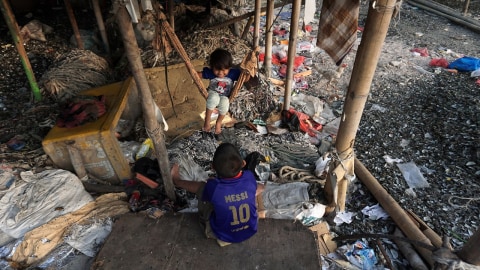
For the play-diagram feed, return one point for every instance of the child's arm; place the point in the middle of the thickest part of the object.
(190, 186)
(260, 189)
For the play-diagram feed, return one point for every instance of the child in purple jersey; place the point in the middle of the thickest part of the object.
(222, 78)
(227, 203)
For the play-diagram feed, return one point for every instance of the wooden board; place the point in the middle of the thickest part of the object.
(177, 242)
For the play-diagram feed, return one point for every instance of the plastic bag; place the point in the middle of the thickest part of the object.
(465, 64)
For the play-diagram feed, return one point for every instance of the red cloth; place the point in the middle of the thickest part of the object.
(338, 27)
(422, 51)
(439, 62)
(305, 122)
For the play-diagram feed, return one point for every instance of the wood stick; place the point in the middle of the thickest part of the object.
(178, 46)
(409, 252)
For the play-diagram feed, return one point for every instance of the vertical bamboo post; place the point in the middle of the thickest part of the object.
(256, 32)
(267, 62)
(376, 27)
(247, 27)
(14, 31)
(171, 17)
(73, 21)
(292, 51)
(465, 7)
(101, 25)
(154, 130)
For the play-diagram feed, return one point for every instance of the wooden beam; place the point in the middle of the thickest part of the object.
(73, 22)
(246, 15)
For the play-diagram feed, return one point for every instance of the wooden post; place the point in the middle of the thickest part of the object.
(470, 252)
(376, 27)
(73, 22)
(245, 16)
(465, 7)
(101, 25)
(395, 211)
(171, 17)
(247, 28)
(292, 51)
(153, 128)
(256, 31)
(267, 62)
(14, 31)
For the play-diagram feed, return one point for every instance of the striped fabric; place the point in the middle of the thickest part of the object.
(338, 27)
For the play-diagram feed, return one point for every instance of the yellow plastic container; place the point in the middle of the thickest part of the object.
(100, 150)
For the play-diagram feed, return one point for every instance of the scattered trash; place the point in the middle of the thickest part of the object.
(420, 51)
(475, 73)
(7, 179)
(391, 160)
(145, 149)
(311, 214)
(412, 175)
(343, 217)
(375, 212)
(465, 64)
(376, 107)
(16, 143)
(359, 254)
(321, 166)
(35, 30)
(439, 62)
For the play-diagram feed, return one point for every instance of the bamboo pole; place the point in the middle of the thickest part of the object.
(395, 211)
(376, 27)
(73, 22)
(292, 51)
(101, 25)
(171, 17)
(152, 126)
(14, 31)
(448, 13)
(465, 7)
(246, 15)
(470, 252)
(256, 31)
(267, 62)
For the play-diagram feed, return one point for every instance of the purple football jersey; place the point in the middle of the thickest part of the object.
(234, 218)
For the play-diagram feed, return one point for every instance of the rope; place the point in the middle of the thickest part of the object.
(290, 174)
(466, 205)
(164, 51)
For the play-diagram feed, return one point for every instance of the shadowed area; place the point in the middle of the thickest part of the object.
(177, 242)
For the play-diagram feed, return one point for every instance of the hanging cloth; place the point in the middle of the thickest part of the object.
(338, 27)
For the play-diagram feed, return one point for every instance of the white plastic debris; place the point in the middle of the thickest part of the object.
(375, 212)
(412, 175)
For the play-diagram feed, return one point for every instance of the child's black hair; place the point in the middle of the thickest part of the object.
(221, 59)
(227, 161)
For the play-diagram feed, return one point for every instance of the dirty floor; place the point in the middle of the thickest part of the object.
(175, 241)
